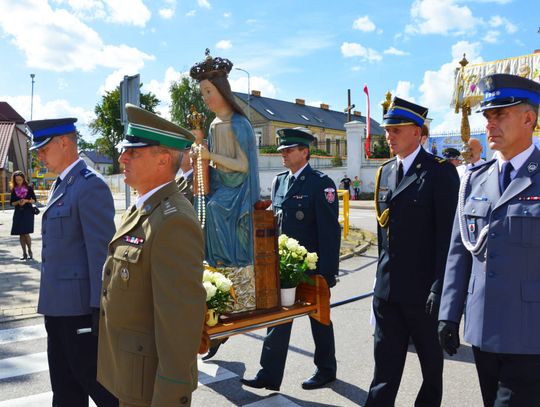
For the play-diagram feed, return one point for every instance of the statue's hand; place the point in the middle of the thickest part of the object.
(199, 149)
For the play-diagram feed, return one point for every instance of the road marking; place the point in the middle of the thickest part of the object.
(274, 401)
(23, 365)
(25, 333)
(35, 400)
(37, 362)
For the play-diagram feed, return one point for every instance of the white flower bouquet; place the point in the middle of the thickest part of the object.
(218, 290)
(294, 261)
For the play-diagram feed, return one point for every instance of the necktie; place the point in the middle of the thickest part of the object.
(399, 173)
(290, 182)
(504, 176)
(56, 183)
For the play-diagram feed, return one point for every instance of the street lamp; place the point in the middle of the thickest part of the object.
(32, 75)
(248, 94)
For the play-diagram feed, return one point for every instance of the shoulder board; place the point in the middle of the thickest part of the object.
(483, 165)
(319, 173)
(87, 173)
(440, 160)
(168, 207)
(282, 173)
(391, 160)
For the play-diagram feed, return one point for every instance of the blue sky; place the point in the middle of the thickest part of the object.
(314, 50)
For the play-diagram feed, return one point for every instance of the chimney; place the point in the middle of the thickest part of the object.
(256, 93)
(357, 113)
(300, 102)
(324, 106)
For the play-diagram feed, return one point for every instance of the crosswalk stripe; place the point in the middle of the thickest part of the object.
(22, 365)
(274, 401)
(37, 362)
(35, 400)
(25, 333)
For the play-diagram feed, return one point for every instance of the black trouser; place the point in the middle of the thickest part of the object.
(508, 379)
(276, 344)
(395, 324)
(73, 363)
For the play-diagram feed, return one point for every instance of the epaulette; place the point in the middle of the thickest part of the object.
(168, 207)
(87, 173)
(440, 160)
(483, 165)
(388, 161)
(319, 173)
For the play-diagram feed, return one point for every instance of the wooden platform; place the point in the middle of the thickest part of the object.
(312, 300)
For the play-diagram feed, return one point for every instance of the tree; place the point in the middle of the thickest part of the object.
(184, 94)
(83, 145)
(108, 126)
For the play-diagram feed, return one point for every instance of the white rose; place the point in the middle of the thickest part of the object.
(282, 240)
(292, 244)
(301, 251)
(210, 289)
(311, 260)
(207, 276)
(223, 283)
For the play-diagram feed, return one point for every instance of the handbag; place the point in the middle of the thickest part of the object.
(35, 209)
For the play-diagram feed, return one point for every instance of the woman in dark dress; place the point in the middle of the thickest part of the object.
(22, 198)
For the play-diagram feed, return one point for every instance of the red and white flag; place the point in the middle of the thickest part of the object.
(368, 126)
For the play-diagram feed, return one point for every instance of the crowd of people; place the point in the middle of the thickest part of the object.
(113, 298)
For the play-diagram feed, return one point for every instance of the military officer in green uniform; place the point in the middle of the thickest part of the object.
(153, 300)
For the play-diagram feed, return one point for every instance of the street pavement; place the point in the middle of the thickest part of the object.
(24, 379)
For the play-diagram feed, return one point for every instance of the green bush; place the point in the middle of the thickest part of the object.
(337, 161)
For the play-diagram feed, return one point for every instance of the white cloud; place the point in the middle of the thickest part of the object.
(227, 14)
(50, 109)
(166, 13)
(498, 21)
(395, 51)
(440, 17)
(352, 49)
(224, 44)
(240, 84)
(58, 41)
(364, 24)
(204, 4)
(437, 87)
(492, 1)
(403, 90)
(161, 89)
(191, 13)
(314, 103)
(129, 12)
(491, 36)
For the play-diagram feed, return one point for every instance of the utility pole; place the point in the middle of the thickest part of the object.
(32, 75)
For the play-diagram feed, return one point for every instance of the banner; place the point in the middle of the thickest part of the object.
(367, 143)
(437, 143)
(466, 80)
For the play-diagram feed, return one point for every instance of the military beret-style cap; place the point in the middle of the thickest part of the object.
(44, 130)
(503, 90)
(451, 153)
(148, 129)
(402, 113)
(293, 137)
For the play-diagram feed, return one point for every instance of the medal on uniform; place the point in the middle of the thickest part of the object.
(124, 274)
(299, 215)
(471, 225)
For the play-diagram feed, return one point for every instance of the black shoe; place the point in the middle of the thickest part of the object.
(24, 257)
(30, 255)
(317, 380)
(214, 347)
(258, 384)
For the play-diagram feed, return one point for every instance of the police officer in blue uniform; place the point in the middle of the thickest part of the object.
(77, 225)
(493, 268)
(306, 205)
(415, 199)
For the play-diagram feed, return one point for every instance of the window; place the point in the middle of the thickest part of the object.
(304, 117)
(338, 148)
(269, 111)
(328, 149)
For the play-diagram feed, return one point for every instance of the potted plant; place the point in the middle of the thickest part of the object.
(294, 261)
(218, 292)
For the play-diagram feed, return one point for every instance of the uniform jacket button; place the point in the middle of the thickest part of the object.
(104, 292)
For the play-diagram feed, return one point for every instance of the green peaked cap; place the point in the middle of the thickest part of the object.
(148, 129)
